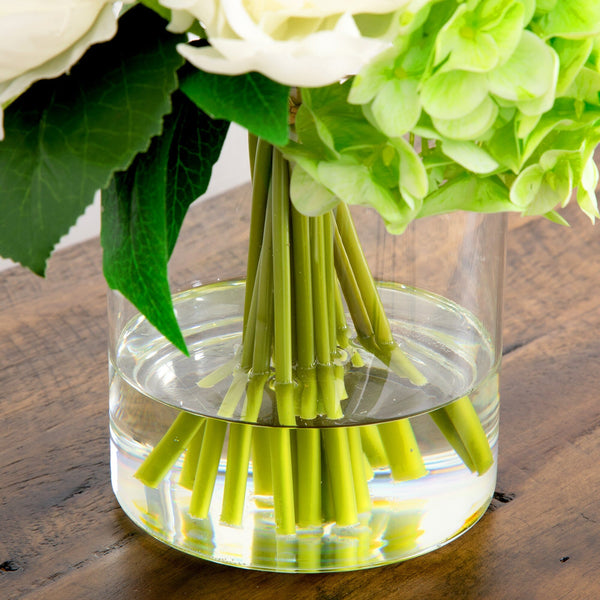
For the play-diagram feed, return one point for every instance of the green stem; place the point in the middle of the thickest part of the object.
(309, 552)
(365, 538)
(238, 452)
(330, 282)
(252, 146)
(385, 348)
(208, 466)
(373, 446)
(328, 509)
(309, 477)
(341, 325)
(359, 475)
(234, 395)
(283, 480)
(260, 357)
(219, 373)
(360, 268)
(164, 455)
(465, 421)
(442, 420)
(325, 368)
(260, 187)
(282, 355)
(190, 460)
(351, 290)
(261, 462)
(236, 476)
(342, 330)
(340, 383)
(337, 451)
(402, 450)
(331, 287)
(305, 341)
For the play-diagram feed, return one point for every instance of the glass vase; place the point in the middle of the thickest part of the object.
(338, 409)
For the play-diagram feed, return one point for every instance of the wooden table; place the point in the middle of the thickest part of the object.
(64, 537)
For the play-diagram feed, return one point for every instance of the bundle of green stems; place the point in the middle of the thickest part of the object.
(296, 347)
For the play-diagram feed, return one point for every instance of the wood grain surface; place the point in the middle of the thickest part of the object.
(64, 537)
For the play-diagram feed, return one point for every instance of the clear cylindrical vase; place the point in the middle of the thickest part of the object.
(339, 406)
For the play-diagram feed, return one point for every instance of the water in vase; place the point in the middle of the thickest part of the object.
(388, 480)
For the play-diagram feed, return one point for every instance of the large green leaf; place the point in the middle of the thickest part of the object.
(134, 237)
(195, 145)
(143, 209)
(252, 100)
(66, 137)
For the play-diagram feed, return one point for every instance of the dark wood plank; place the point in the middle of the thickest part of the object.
(64, 536)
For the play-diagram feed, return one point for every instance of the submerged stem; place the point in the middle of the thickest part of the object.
(465, 422)
(163, 456)
(190, 461)
(309, 477)
(283, 480)
(337, 451)
(208, 465)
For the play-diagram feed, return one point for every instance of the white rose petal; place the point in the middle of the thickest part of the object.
(307, 43)
(317, 60)
(42, 39)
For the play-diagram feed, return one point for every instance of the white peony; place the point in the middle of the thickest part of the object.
(306, 43)
(42, 39)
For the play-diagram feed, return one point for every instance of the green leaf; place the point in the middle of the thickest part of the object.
(346, 122)
(396, 108)
(453, 95)
(470, 193)
(412, 173)
(251, 100)
(563, 117)
(195, 142)
(573, 55)
(574, 19)
(313, 133)
(66, 137)
(507, 33)
(537, 190)
(478, 123)
(470, 156)
(586, 87)
(586, 192)
(143, 210)
(529, 73)
(505, 147)
(557, 218)
(353, 184)
(481, 39)
(372, 77)
(134, 238)
(310, 197)
(526, 124)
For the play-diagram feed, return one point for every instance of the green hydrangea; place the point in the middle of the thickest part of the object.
(483, 105)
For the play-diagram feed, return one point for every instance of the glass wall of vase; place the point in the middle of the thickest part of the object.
(338, 409)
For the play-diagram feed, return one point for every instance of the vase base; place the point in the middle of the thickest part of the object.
(393, 531)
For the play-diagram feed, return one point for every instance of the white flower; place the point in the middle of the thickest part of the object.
(306, 43)
(42, 39)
